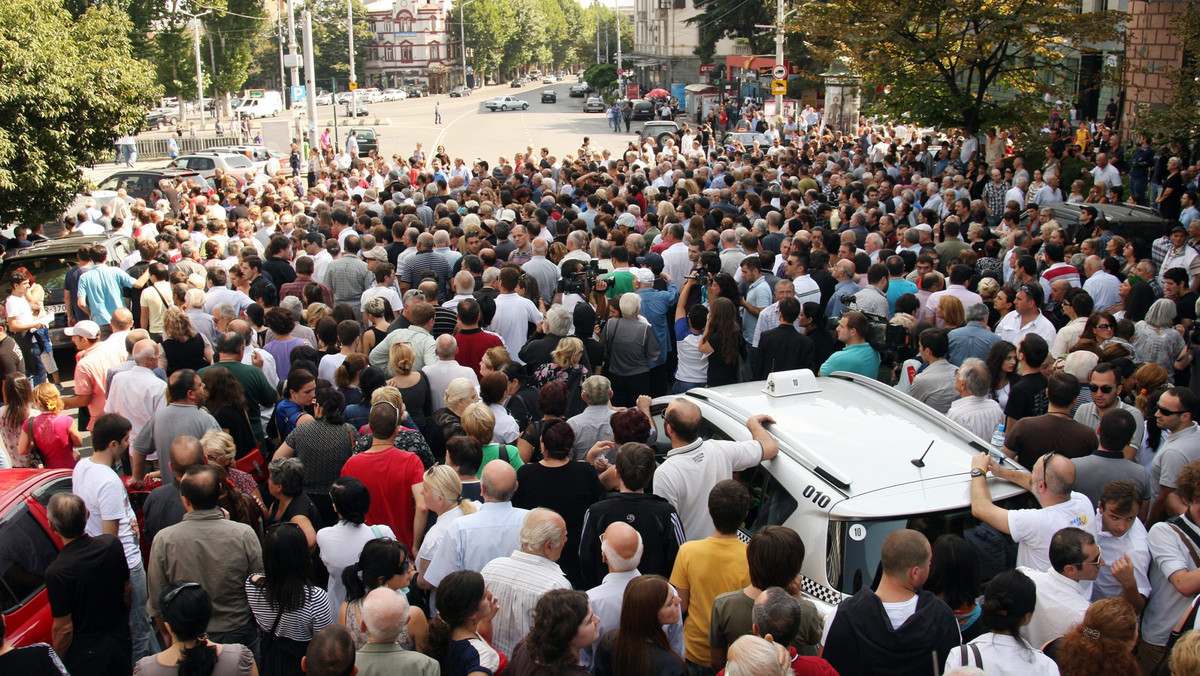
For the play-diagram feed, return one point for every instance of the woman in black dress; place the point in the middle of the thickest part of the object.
(723, 342)
(227, 403)
(184, 348)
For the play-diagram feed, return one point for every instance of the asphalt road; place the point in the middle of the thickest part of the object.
(468, 130)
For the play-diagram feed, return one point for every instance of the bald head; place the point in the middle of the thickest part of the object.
(621, 547)
(844, 269)
(498, 481)
(241, 327)
(1092, 264)
(186, 452)
(122, 319)
(447, 347)
(145, 353)
(1058, 473)
(385, 614)
(684, 419)
(543, 532)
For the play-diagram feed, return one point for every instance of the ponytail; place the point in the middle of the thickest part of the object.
(352, 580)
(437, 642)
(199, 660)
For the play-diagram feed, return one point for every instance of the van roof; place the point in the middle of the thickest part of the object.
(861, 437)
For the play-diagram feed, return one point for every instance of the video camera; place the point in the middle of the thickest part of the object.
(583, 280)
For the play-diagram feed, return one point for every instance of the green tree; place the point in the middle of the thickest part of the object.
(971, 64)
(601, 76)
(331, 44)
(1179, 119)
(67, 88)
(528, 46)
(734, 19)
(230, 31)
(489, 26)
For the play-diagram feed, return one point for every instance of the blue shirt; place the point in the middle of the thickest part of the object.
(836, 307)
(861, 359)
(758, 295)
(655, 305)
(970, 340)
(897, 288)
(100, 288)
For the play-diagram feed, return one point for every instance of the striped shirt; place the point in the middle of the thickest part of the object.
(517, 582)
(300, 624)
(979, 415)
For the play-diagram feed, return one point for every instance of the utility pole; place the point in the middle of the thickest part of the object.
(620, 80)
(350, 33)
(779, 54)
(293, 57)
(462, 32)
(279, 34)
(596, 6)
(199, 67)
(310, 79)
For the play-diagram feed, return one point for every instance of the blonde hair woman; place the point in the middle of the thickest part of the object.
(441, 493)
(219, 449)
(494, 359)
(479, 423)
(183, 347)
(565, 366)
(315, 313)
(413, 384)
(55, 433)
(447, 421)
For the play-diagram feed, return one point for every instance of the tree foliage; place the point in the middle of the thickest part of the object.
(601, 76)
(230, 34)
(67, 88)
(1179, 119)
(970, 64)
(734, 19)
(331, 43)
(489, 27)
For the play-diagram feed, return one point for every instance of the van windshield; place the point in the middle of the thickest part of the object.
(853, 546)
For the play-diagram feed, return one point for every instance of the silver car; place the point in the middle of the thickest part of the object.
(594, 104)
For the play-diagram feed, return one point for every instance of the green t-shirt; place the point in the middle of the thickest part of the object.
(492, 452)
(257, 390)
(619, 281)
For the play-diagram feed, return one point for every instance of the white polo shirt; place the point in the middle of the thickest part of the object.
(690, 472)
(1033, 529)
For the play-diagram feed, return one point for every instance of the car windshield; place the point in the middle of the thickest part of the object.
(853, 547)
(49, 271)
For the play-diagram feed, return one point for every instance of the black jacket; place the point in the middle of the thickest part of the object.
(862, 641)
(782, 349)
(649, 514)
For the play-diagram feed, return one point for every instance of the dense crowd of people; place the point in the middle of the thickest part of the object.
(396, 414)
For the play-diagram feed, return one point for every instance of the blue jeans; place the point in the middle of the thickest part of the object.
(140, 626)
(682, 386)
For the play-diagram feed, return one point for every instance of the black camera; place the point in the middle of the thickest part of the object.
(582, 281)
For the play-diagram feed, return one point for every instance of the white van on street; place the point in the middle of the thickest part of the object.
(269, 104)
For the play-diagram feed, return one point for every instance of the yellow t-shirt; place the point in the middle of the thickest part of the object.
(152, 303)
(1083, 136)
(707, 568)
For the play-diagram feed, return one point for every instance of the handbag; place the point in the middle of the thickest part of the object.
(280, 656)
(36, 458)
(253, 463)
(745, 372)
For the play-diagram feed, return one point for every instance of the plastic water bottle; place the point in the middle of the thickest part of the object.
(998, 444)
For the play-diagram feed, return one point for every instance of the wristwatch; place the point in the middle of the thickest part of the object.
(975, 471)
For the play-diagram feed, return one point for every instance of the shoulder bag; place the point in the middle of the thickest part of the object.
(36, 458)
(280, 656)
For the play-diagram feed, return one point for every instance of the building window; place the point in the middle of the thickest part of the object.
(405, 24)
(433, 51)
(406, 53)
(387, 53)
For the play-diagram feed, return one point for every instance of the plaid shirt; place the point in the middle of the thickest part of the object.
(993, 196)
(296, 288)
(348, 277)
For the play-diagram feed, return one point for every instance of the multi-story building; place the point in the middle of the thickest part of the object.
(1152, 49)
(664, 43)
(413, 44)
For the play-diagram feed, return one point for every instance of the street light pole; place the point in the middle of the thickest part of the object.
(462, 32)
(350, 33)
(779, 54)
(199, 68)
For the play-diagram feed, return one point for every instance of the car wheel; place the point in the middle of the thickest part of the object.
(525, 107)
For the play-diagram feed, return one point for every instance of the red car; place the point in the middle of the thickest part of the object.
(27, 547)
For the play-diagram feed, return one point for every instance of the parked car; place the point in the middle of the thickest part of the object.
(50, 260)
(659, 130)
(356, 108)
(642, 110)
(368, 140)
(579, 90)
(394, 94)
(834, 482)
(206, 164)
(517, 83)
(269, 104)
(460, 91)
(155, 119)
(417, 91)
(139, 183)
(746, 138)
(324, 98)
(549, 79)
(1126, 220)
(342, 97)
(29, 548)
(594, 104)
(506, 103)
(371, 94)
(549, 96)
(259, 155)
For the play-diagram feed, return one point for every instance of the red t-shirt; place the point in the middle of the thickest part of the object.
(389, 475)
(471, 346)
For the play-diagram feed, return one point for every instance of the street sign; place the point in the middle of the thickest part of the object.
(254, 93)
(353, 86)
(764, 70)
(779, 72)
(778, 87)
(706, 68)
(298, 94)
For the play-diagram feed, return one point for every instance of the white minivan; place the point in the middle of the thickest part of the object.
(269, 104)
(845, 475)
